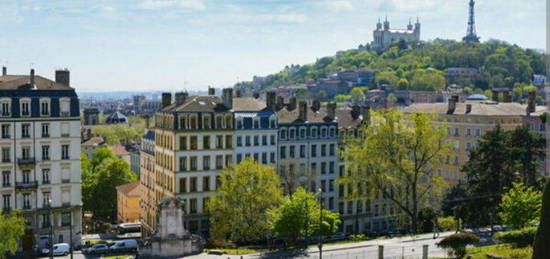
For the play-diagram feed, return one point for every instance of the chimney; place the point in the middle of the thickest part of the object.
(355, 110)
(331, 111)
(452, 104)
(270, 100)
(4, 71)
(291, 103)
(237, 93)
(495, 95)
(506, 96)
(211, 91)
(280, 102)
(180, 98)
(32, 78)
(227, 97)
(63, 77)
(365, 111)
(302, 111)
(316, 105)
(531, 105)
(166, 99)
(468, 108)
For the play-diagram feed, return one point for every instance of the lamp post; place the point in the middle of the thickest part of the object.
(51, 227)
(320, 223)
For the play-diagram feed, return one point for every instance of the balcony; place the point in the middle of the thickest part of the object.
(26, 161)
(26, 185)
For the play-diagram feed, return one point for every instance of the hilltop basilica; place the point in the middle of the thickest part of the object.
(384, 36)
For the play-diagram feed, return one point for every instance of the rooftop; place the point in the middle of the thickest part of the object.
(478, 108)
(248, 104)
(22, 82)
(197, 104)
(130, 189)
(95, 141)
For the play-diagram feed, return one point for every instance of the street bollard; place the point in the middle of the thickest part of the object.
(380, 252)
(425, 252)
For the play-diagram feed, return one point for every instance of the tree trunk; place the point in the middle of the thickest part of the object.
(541, 249)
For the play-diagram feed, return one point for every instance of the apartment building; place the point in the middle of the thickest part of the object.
(40, 149)
(128, 197)
(193, 143)
(148, 189)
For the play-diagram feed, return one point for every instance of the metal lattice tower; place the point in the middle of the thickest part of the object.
(471, 35)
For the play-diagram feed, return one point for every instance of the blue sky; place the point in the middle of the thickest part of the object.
(177, 44)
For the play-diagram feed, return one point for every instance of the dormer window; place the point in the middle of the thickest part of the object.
(219, 121)
(323, 132)
(302, 133)
(65, 107)
(183, 122)
(240, 123)
(314, 132)
(228, 122)
(206, 124)
(25, 107)
(283, 133)
(292, 133)
(6, 107)
(272, 122)
(331, 132)
(193, 121)
(45, 107)
(256, 123)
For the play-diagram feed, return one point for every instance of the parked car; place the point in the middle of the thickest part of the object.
(58, 249)
(128, 245)
(98, 249)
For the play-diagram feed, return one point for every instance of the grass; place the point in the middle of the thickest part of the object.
(235, 251)
(117, 257)
(506, 250)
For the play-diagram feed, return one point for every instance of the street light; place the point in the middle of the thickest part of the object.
(320, 223)
(51, 227)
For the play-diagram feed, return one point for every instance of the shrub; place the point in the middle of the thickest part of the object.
(448, 223)
(520, 238)
(220, 243)
(457, 243)
(358, 237)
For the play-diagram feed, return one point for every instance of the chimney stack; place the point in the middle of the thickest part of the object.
(316, 105)
(238, 93)
(227, 97)
(291, 103)
(4, 71)
(452, 104)
(270, 100)
(166, 99)
(468, 108)
(302, 110)
(355, 110)
(531, 105)
(331, 111)
(63, 77)
(495, 95)
(280, 102)
(211, 91)
(32, 78)
(180, 98)
(365, 111)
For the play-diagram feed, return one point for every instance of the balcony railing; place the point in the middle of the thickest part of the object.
(26, 185)
(26, 161)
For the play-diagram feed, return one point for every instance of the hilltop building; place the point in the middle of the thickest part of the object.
(40, 148)
(383, 35)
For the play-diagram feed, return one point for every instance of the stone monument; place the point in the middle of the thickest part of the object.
(171, 240)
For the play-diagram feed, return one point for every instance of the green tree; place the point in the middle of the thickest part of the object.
(239, 211)
(12, 228)
(428, 80)
(342, 98)
(386, 78)
(99, 186)
(298, 215)
(395, 157)
(520, 206)
(526, 147)
(541, 249)
(357, 94)
(403, 84)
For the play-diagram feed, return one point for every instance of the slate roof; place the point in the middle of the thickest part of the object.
(93, 141)
(116, 117)
(22, 82)
(345, 120)
(207, 103)
(130, 189)
(248, 104)
(478, 108)
(286, 116)
(150, 135)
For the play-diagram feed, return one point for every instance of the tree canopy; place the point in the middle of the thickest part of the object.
(520, 206)
(12, 228)
(239, 210)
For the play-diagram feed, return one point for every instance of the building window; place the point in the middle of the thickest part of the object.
(25, 108)
(228, 141)
(7, 199)
(25, 131)
(331, 185)
(193, 206)
(240, 123)
(219, 162)
(256, 123)
(331, 203)
(219, 141)
(323, 150)
(45, 152)
(183, 185)
(206, 183)
(302, 133)
(264, 158)
(264, 140)
(332, 149)
(194, 144)
(272, 137)
(206, 163)
(272, 157)
(64, 152)
(5, 131)
(313, 167)
(6, 108)
(6, 178)
(331, 167)
(283, 133)
(193, 161)
(193, 182)
(313, 150)
(206, 122)
(45, 130)
(65, 107)
(323, 167)
(291, 133)
(46, 199)
(26, 152)
(247, 141)
(183, 143)
(314, 132)
(44, 107)
(66, 219)
(206, 142)
(45, 176)
(239, 158)
(282, 155)
(323, 185)
(6, 155)
(45, 220)
(291, 152)
(323, 132)
(302, 151)
(256, 140)
(26, 201)
(183, 163)
(239, 141)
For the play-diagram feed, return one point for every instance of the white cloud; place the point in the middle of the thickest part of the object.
(338, 5)
(160, 4)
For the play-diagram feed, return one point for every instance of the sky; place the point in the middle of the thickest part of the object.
(190, 44)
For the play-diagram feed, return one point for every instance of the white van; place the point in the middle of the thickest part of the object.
(58, 249)
(127, 245)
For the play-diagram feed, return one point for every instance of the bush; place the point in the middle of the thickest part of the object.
(457, 243)
(448, 223)
(358, 237)
(520, 238)
(220, 243)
